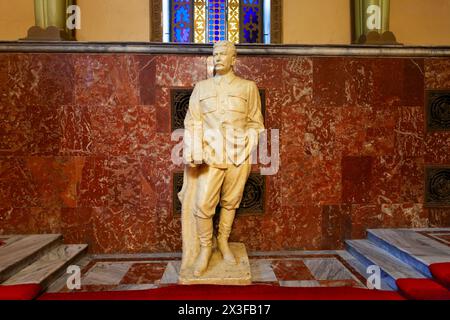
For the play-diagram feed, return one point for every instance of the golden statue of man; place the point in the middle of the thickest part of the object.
(222, 127)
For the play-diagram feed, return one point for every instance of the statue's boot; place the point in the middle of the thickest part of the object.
(226, 222)
(205, 232)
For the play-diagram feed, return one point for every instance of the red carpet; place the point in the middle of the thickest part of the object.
(422, 289)
(204, 292)
(20, 292)
(441, 273)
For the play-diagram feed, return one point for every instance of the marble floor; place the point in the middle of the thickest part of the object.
(400, 253)
(139, 272)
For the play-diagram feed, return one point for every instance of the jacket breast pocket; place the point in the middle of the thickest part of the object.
(208, 103)
(237, 103)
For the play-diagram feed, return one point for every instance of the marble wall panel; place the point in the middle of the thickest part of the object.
(336, 226)
(339, 82)
(437, 148)
(357, 179)
(437, 73)
(30, 130)
(31, 220)
(386, 179)
(123, 229)
(398, 82)
(37, 79)
(76, 225)
(146, 67)
(106, 80)
(17, 184)
(365, 216)
(16, 133)
(410, 137)
(93, 188)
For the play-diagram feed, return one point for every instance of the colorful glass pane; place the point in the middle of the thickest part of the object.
(251, 21)
(181, 17)
(217, 18)
(200, 21)
(233, 21)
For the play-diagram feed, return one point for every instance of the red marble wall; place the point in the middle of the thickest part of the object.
(85, 148)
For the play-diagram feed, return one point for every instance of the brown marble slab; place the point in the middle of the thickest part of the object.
(288, 270)
(144, 273)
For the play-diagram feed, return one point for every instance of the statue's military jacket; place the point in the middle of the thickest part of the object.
(223, 122)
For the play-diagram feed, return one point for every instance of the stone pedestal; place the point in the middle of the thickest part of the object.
(221, 273)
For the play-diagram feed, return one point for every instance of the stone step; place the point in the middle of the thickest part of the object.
(391, 267)
(8, 239)
(49, 267)
(16, 255)
(411, 247)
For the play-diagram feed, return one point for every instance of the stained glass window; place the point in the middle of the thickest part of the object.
(181, 11)
(209, 21)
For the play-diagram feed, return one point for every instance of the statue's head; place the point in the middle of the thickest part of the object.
(224, 54)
